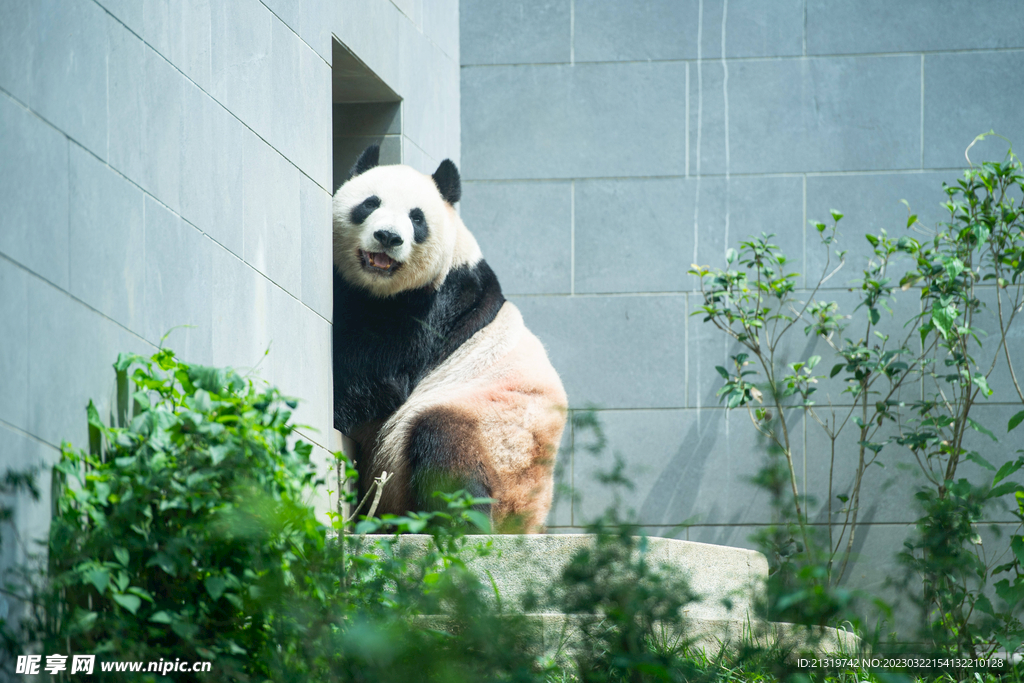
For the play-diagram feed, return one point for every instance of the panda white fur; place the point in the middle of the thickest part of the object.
(436, 378)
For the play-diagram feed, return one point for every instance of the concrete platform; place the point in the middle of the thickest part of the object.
(719, 574)
(726, 578)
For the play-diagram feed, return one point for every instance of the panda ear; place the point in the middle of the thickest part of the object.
(367, 160)
(446, 177)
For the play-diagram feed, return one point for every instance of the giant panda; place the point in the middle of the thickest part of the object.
(436, 378)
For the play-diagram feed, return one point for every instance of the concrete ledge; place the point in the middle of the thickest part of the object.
(719, 574)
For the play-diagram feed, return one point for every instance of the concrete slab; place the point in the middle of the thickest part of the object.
(520, 563)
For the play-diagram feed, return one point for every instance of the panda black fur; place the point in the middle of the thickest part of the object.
(435, 376)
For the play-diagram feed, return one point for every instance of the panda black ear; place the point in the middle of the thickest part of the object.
(446, 177)
(367, 160)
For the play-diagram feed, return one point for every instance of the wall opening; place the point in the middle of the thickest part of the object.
(366, 111)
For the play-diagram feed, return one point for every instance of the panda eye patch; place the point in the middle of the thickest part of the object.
(419, 225)
(362, 211)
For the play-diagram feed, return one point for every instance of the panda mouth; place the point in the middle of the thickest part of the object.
(378, 262)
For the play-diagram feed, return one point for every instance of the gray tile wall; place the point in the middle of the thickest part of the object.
(168, 164)
(609, 145)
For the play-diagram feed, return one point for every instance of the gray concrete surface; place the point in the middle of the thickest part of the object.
(726, 579)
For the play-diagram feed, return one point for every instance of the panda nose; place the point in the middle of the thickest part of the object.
(388, 238)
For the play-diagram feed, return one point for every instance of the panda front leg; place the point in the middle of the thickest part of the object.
(445, 454)
(358, 400)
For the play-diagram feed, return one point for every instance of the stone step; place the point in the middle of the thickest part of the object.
(725, 578)
(518, 563)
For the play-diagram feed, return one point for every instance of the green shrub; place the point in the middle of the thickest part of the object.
(911, 400)
(182, 534)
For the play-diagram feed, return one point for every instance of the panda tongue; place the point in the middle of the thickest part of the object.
(381, 260)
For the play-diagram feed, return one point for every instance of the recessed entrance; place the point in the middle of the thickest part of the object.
(366, 111)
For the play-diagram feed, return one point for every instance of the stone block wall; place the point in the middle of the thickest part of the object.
(608, 145)
(168, 163)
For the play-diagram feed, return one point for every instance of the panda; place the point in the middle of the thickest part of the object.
(436, 378)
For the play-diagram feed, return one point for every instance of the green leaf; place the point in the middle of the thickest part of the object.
(164, 562)
(1004, 488)
(84, 619)
(983, 604)
(1011, 594)
(836, 215)
(722, 371)
(482, 521)
(95, 429)
(875, 315)
(124, 360)
(122, 555)
(943, 318)
(982, 383)
(1017, 546)
(161, 617)
(975, 457)
(141, 592)
(415, 526)
(730, 255)
(215, 586)
(1014, 421)
(366, 526)
(836, 369)
(129, 602)
(980, 429)
(99, 577)
(843, 497)
(1007, 469)
(954, 267)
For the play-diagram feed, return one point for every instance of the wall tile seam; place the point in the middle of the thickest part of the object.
(803, 31)
(405, 137)
(765, 58)
(765, 525)
(426, 36)
(572, 465)
(74, 298)
(18, 430)
(802, 291)
(572, 32)
(289, 27)
(195, 227)
(212, 98)
(41, 278)
(572, 238)
(4, 423)
(162, 204)
(109, 319)
(255, 270)
(719, 407)
(922, 111)
(686, 353)
(401, 11)
(730, 176)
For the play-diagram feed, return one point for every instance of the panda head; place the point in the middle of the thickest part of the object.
(396, 229)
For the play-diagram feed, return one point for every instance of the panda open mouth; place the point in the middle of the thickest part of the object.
(378, 262)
